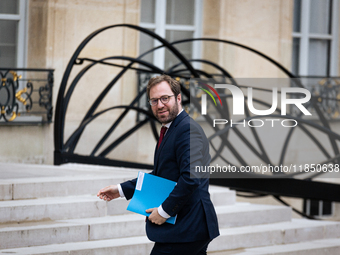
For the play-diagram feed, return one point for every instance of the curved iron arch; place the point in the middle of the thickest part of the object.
(64, 151)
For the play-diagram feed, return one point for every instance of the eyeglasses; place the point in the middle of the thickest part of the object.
(164, 100)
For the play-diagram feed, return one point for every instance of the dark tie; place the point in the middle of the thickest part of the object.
(161, 136)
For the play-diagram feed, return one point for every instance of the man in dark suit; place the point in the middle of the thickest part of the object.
(182, 146)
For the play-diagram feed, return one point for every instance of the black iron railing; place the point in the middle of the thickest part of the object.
(327, 92)
(26, 96)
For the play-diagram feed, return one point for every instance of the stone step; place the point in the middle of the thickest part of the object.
(32, 171)
(25, 181)
(75, 230)
(58, 186)
(222, 196)
(127, 246)
(247, 214)
(317, 247)
(42, 233)
(275, 234)
(295, 231)
(57, 208)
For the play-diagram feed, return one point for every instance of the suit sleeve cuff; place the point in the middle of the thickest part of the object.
(162, 212)
(121, 193)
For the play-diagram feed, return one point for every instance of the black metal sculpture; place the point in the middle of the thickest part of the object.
(277, 185)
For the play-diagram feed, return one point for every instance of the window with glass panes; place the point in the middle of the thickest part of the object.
(13, 33)
(173, 20)
(315, 37)
(315, 53)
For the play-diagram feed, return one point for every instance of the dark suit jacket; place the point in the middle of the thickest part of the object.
(183, 147)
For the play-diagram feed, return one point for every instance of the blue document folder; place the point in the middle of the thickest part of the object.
(150, 192)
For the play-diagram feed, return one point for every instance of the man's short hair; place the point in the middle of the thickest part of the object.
(174, 84)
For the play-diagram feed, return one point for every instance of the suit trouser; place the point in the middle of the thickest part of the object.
(191, 248)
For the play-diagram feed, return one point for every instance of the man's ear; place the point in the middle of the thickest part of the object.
(179, 98)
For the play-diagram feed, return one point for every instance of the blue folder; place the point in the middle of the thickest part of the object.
(150, 192)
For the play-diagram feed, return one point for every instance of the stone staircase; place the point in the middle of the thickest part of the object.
(54, 210)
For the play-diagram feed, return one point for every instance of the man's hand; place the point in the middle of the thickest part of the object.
(155, 217)
(108, 193)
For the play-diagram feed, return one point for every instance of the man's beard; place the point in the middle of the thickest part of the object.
(173, 112)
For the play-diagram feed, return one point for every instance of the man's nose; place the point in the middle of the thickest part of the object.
(160, 104)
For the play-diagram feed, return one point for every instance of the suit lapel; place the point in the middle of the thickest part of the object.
(167, 136)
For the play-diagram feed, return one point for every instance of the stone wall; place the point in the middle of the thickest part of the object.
(264, 25)
(55, 29)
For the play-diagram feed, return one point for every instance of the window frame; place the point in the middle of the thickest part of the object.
(22, 18)
(160, 27)
(305, 36)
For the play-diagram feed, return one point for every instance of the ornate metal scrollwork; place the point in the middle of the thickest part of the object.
(328, 91)
(8, 104)
(17, 93)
